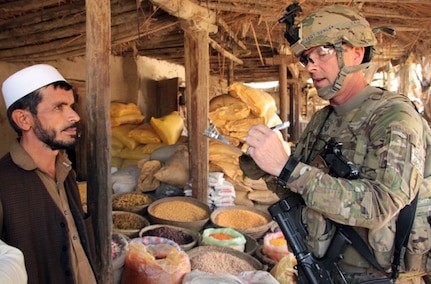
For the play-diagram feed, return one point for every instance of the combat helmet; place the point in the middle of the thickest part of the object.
(331, 25)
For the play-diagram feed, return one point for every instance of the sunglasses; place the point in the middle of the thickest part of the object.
(317, 55)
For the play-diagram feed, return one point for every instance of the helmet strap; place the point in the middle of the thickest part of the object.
(328, 92)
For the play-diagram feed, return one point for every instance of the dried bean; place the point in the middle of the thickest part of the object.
(177, 236)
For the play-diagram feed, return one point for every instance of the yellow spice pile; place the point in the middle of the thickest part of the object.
(240, 219)
(178, 210)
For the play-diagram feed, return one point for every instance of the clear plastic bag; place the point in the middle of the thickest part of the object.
(155, 263)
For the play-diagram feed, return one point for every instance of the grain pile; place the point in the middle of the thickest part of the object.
(131, 200)
(219, 262)
(127, 221)
(240, 219)
(178, 210)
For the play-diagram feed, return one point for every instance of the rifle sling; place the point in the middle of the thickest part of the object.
(405, 220)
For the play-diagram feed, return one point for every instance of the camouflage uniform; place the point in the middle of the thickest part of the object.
(388, 140)
(383, 135)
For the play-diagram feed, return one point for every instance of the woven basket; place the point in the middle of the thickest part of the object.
(255, 232)
(192, 225)
(197, 251)
(132, 232)
(195, 235)
(141, 209)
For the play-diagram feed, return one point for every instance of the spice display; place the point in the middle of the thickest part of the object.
(127, 221)
(219, 262)
(172, 234)
(221, 236)
(178, 210)
(224, 237)
(278, 242)
(240, 219)
(131, 200)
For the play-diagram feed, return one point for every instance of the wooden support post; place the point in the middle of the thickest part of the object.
(283, 96)
(196, 57)
(98, 48)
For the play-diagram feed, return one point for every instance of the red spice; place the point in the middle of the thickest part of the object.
(221, 236)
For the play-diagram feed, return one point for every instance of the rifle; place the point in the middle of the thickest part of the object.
(288, 214)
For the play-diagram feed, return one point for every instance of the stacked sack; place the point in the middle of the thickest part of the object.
(233, 114)
(134, 140)
(220, 191)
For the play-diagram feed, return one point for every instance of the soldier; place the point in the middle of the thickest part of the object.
(380, 132)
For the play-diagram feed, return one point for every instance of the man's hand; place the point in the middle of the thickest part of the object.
(267, 149)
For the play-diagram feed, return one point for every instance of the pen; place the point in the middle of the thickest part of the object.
(281, 126)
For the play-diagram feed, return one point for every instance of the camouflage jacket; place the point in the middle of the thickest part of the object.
(386, 138)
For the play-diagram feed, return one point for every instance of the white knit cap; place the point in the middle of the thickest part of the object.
(28, 80)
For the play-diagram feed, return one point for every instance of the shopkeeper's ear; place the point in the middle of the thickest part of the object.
(22, 118)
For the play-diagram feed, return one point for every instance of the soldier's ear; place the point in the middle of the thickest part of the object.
(359, 54)
(22, 118)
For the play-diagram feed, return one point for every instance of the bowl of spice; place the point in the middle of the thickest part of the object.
(185, 238)
(183, 212)
(135, 202)
(128, 223)
(247, 220)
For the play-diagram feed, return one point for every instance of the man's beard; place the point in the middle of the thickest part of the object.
(48, 137)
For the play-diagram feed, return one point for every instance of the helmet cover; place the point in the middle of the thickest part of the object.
(333, 24)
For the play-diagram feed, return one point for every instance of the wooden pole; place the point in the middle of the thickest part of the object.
(196, 55)
(98, 48)
(283, 97)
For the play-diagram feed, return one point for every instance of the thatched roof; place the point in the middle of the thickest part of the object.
(247, 41)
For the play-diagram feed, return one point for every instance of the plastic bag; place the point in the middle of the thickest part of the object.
(237, 240)
(275, 245)
(154, 263)
(284, 270)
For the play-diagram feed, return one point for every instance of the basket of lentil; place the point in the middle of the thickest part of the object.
(128, 223)
(247, 220)
(183, 212)
(216, 259)
(134, 202)
(185, 238)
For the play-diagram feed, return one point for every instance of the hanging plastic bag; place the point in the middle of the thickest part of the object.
(154, 263)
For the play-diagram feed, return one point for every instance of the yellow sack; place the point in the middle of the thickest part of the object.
(231, 112)
(222, 100)
(145, 134)
(115, 143)
(169, 127)
(127, 119)
(135, 154)
(244, 125)
(118, 109)
(122, 133)
(260, 102)
(150, 148)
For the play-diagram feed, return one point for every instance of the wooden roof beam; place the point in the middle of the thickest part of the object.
(202, 18)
